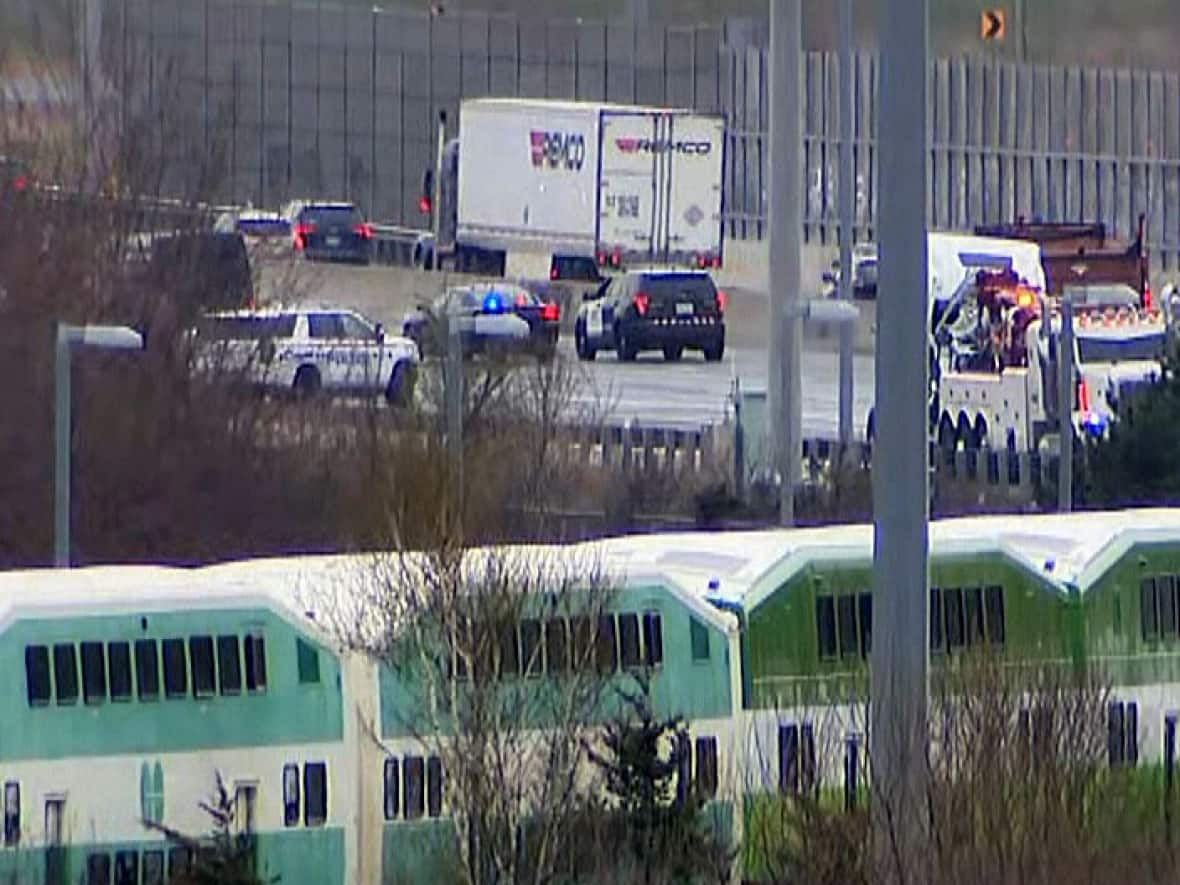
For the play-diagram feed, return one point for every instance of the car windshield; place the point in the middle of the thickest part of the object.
(1115, 350)
(698, 288)
(568, 267)
(331, 215)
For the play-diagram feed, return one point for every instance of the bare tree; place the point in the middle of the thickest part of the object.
(495, 653)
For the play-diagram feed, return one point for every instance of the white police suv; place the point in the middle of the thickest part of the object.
(307, 350)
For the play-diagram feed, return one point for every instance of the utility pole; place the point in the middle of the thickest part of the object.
(1065, 405)
(899, 664)
(785, 234)
(847, 179)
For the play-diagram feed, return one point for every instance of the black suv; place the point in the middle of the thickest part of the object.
(653, 310)
(330, 231)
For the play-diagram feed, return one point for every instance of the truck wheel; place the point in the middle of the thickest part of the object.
(714, 352)
(582, 345)
(307, 381)
(947, 437)
(624, 346)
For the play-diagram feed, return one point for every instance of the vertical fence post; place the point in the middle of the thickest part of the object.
(851, 769)
(1169, 770)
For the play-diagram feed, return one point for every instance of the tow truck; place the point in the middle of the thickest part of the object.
(994, 364)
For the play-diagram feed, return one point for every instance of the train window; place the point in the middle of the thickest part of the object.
(706, 758)
(255, 648)
(414, 803)
(653, 639)
(308, 660)
(290, 795)
(180, 861)
(204, 678)
(865, 604)
(556, 652)
(629, 641)
(65, 673)
(98, 869)
(119, 670)
(37, 675)
(825, 625)
(973, 604)
(434, 786)
(807, 772)
(315, 794)
(392, 787)
(229, 665)
(1131, 734)
(11, 813)
(175, 668)
(94, 673)
(606, 648)
(1115, 732)
(937, 637)
(1166, 591)
(788, 758)
(530, 647)
(846, 622)
(126, 868)
(147, 669)
(700, 640)
(153, 868)
(509, 651)
(1149, 616)
(994, 602)
(953, 600)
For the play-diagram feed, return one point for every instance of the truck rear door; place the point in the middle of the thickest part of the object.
(627, 212)
(692, 221)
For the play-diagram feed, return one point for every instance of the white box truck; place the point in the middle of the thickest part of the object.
(530, 184)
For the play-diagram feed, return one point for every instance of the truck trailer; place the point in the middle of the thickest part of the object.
(529, 182)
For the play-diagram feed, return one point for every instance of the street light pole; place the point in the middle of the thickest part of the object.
(1065, 383)
(104, 338)
(847, 179)
(785, 232)
(899, 664)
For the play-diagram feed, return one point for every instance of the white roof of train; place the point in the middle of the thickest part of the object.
(1065, 551)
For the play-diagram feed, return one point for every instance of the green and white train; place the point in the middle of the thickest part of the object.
(134, 685)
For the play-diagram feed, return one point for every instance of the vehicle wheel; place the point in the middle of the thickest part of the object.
(714, 352)
(871, 426)
(582, 345)
(625, 346)
(979, 438)
(307, 381)
(399, 393)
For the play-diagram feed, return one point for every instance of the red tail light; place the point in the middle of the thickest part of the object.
(616, 258)
(302, 229)
(1147, 296)
(1083, 396)
(550, 312)
(722, 300)
(716, 261)
(702, 261)
(642, 301)
(364, 229)
(602, 258)
(20, 183)
(425, 204)
(553, 273)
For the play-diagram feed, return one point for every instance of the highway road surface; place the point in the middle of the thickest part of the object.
(689, 393)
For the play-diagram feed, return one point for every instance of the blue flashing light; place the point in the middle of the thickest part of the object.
(493, 303)
(1095, 424)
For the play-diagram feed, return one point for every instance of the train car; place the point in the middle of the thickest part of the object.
(135, 688)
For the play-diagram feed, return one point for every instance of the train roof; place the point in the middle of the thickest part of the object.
(708, 571)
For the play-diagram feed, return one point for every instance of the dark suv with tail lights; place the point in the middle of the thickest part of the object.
(325, 231)
(665, 310)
